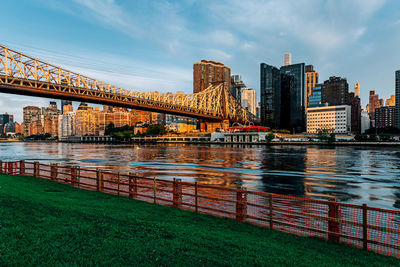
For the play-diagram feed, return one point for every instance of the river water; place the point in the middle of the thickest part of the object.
(356, 175)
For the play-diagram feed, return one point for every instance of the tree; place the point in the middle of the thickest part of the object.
(269, 137)
(156, 129)
(109, 129)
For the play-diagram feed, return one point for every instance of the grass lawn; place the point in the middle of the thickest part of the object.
(47, 223)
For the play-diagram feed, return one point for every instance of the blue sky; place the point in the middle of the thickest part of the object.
(151, 45)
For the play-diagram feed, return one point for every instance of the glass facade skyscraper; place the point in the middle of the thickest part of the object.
(293, 96)
(270, 87)
(282, 96)
(314, 100)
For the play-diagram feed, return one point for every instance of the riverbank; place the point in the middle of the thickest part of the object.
(46, 223)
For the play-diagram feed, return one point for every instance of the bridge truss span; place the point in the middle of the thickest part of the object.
(25, 75)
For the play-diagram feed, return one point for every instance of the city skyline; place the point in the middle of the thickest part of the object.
(152, 46)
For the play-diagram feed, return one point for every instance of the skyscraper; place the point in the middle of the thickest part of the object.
(335, 91)
(65, 103)
(310, 81)
(236, 87)
(282, 96)
(355, 103)
(249, 100)
(374, 103)
(391, 101)
(208, 72)
(397, 86)
(31, 114)
(293, 97)
(314, 100)
(287, 59)
(357, 89)
(270, 92)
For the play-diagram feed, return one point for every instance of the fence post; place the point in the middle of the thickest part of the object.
(132, 186)
(10, 168)
(78, 176)
(21, 167)
(99, 177)
(333, 226)
(1, 166)
(119, 181)
(241, 201)
(271, 208)
(155, 190)
(36, 169)
(365, 227)
(196, 199)
(72, 175)
(177, 191)
(53, 172)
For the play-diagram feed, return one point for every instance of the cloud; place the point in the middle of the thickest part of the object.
(323, 26)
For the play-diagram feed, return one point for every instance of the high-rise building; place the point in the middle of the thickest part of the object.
(249, 100)
(66, 125)
(282, 96)
(355, 103)
(397, 91)
(357, 89)
(5, 119)
(287, 59)
(336, 119)
(63, 104)
(270, 94)
(391, 101)
(335, 91)
(293, 97)
(237, 86)
(374, 103)
(365, 121)
(30, 114)
(310, 81)
(315, 99)
(384, 117)
(208, 72)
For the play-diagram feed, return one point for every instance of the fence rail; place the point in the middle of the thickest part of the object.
(365, 227)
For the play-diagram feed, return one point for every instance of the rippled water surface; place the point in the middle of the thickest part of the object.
(351, 174)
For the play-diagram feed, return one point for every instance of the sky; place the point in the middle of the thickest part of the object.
(147, 45)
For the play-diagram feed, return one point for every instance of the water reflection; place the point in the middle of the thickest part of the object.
(350, 174)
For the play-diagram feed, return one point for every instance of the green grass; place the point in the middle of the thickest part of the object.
(46, 223)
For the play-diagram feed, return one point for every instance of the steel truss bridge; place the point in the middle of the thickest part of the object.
(24, 75)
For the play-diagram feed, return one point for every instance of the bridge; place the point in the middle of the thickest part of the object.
(24, 75)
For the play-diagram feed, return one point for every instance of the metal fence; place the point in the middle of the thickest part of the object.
(365, 227)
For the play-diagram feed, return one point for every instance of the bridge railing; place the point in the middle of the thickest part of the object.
(364, 227)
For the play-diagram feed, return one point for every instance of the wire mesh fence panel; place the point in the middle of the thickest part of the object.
(145, 189)
(164, 192)
(109, 182)
(217, 201)
(45, 171)
(384, 231)
(64, 174)
(29, 168)
(87, 179)
(124, 185)
(258, 209)
(300, 216)
(351, 225)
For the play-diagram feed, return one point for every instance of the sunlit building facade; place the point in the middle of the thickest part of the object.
(336, 119)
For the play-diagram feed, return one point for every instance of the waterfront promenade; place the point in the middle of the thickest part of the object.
(78, 227)
(361, 226)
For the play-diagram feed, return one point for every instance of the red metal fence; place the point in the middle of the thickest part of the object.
(358, 225)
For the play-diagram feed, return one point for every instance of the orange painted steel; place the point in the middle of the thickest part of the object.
(25, 75)
(365, 227)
